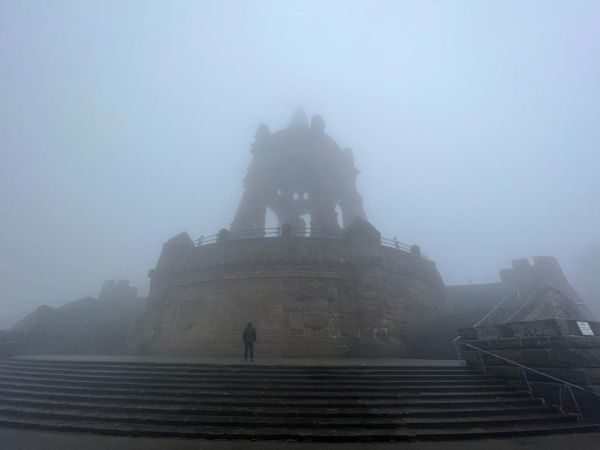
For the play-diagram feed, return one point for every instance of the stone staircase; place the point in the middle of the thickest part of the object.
(314, 403)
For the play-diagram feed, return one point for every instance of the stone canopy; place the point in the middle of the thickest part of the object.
(298, 172)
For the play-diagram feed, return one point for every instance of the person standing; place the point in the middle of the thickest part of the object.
(249, 337)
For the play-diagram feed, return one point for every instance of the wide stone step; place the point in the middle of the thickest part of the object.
(246, 380)
(490, 421)
(507, 431)
(446, 400)
(254, 390)
(194, 420)
(144, 366)
(176, 392)
(101, 364)
(299, 434)
(120, 374)
(257, 384)
(277, 410)
(320, 403)
(376, 375)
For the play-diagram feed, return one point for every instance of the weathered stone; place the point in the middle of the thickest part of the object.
(574, 358)
(503, 344)
(299, 171)
(332, 292)
(534, 342)
(581, 376)
(527, 329)
(574, 342)
(536, 357)
(558, 351)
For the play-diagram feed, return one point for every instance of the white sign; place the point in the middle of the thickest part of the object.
(585, 328)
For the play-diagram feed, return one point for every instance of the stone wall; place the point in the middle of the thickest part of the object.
(86, 326)
(305, 296)
(554, 347)
(11, 343)
(465, 305)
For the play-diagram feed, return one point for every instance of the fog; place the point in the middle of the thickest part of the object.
(475, 124)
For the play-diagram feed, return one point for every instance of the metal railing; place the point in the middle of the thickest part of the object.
(563, 384)
(487, 318)
(295, 232)
(394, 243)
(524, 304)
(499, 306)
(246, 234)
(494, 309)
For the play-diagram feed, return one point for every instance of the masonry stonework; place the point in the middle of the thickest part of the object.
(306, 297)
(331, 289)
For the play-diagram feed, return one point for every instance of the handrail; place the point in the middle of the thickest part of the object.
(296, 232)
(455, 343)
(395, 244)
(525, 303)
(480, 321)
(523, 368)
(493, 310)
(530, 369)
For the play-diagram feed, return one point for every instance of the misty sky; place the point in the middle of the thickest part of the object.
(475, 124)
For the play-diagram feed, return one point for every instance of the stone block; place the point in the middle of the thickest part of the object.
(533, 328)
(499, 344)
(573, 358)
(534, 342)
(574, 342)
(535, 357)
(488, 333)
(581, 377)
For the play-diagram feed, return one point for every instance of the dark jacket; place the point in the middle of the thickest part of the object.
(249, 334)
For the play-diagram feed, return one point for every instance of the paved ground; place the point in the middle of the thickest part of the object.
(11, 439)
(258, 361)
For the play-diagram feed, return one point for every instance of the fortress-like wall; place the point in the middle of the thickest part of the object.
(346, 296)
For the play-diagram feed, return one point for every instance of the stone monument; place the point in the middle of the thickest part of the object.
(316, 285)
(296, 172)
